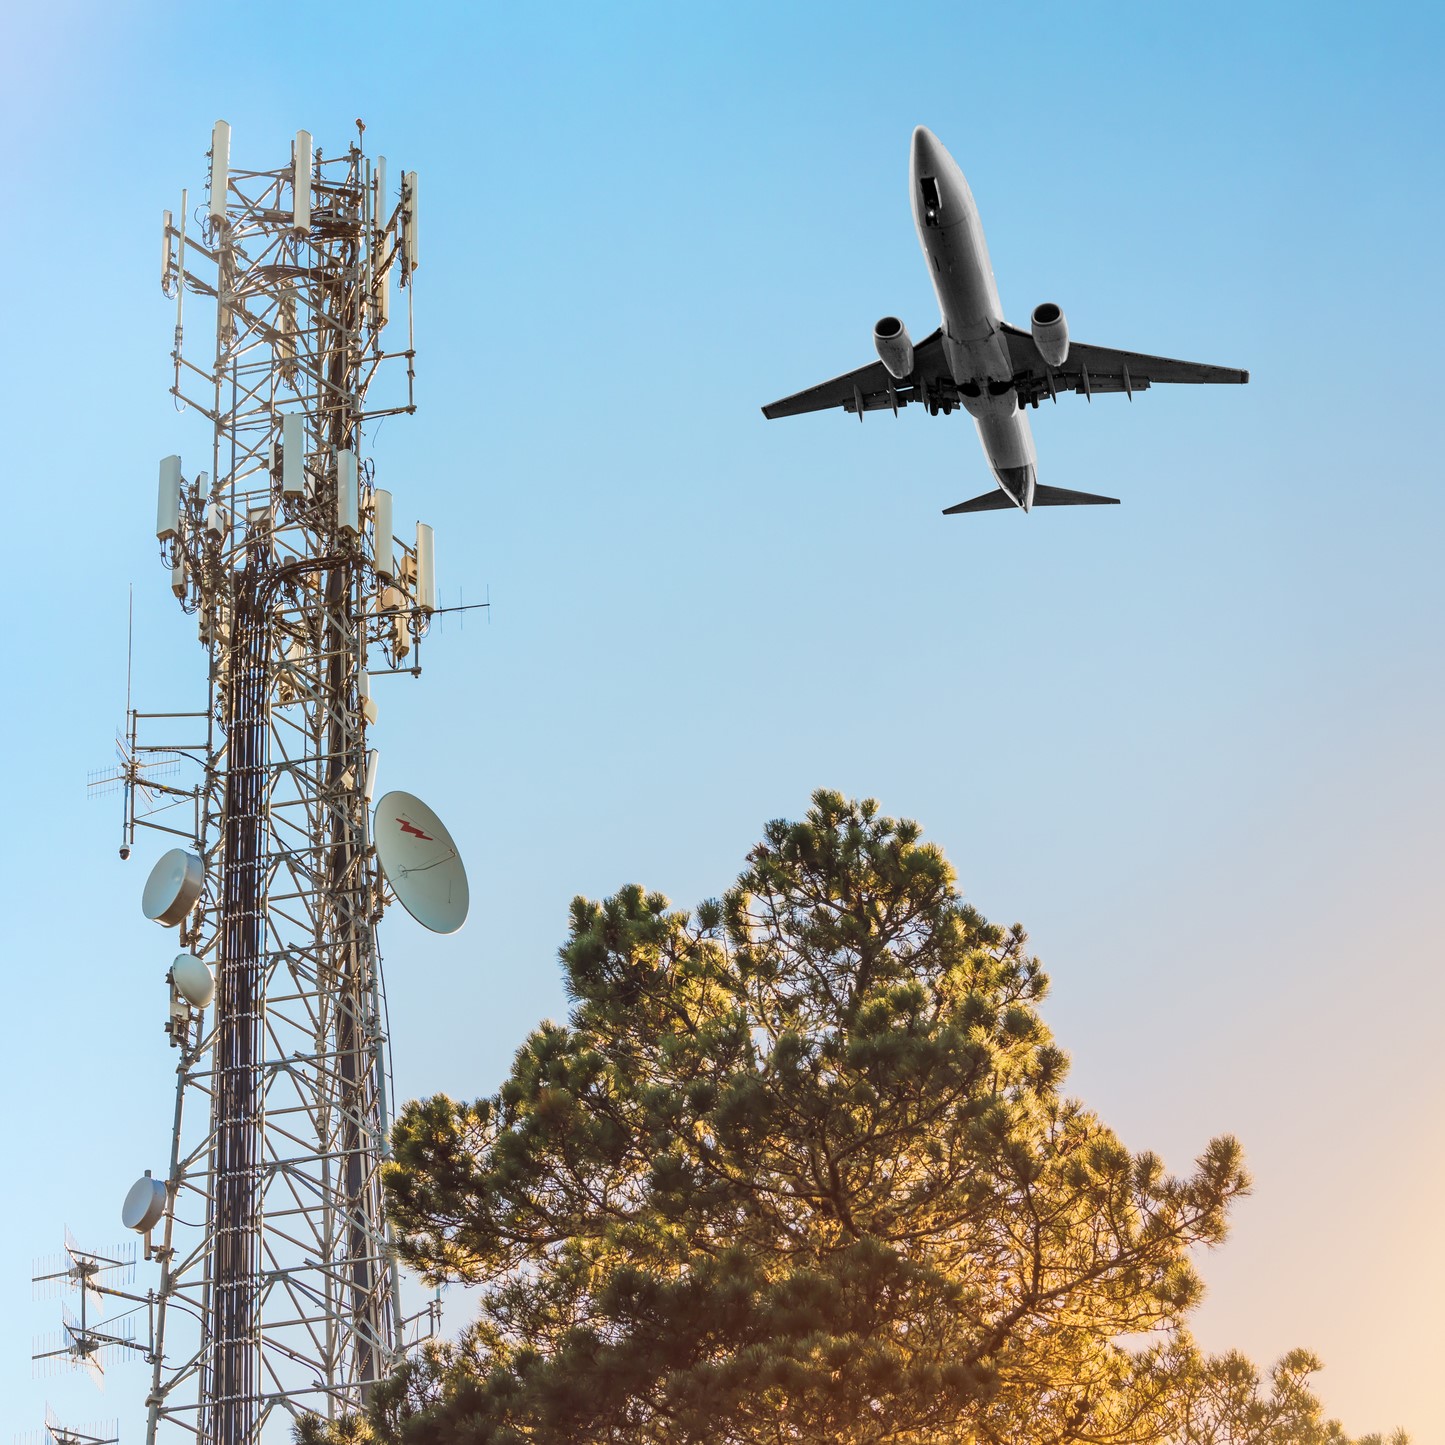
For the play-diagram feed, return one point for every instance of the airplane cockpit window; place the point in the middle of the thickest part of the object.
(932, 206)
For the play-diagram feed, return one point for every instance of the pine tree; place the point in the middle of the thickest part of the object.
(799, 1168)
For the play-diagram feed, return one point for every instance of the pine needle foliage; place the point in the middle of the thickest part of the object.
(798, 1169)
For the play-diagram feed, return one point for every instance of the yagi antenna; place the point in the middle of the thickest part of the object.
(85, 1340)
(83, 1345)
(78, 1268)
(463, 606)
(54, 1433)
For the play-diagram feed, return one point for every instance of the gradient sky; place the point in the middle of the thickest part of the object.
(1193, 741)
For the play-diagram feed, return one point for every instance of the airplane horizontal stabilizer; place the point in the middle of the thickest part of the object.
(1058, 497)
(994, 501)
(999, 500)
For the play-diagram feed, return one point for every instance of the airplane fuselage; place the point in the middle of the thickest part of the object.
(962, 275)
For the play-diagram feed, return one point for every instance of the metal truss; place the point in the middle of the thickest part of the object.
(278, 1290)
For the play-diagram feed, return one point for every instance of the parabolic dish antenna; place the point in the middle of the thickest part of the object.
(193, 980)
(421, 862)
(144, 1205)
(173, 887)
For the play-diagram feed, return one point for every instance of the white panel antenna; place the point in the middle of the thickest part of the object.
(383, 521)
(381, 299)
(380, 259)
(166, 256)
(348, 509)
(293, 454)
(426, 579)
(168, 499)
(301, 181)
(363, 693)
(220, 171)
(409, 230)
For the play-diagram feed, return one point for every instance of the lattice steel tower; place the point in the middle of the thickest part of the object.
(278, 1288)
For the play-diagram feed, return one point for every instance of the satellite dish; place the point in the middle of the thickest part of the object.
(144, 1204)
(421, 862)
(193, 980)
(173, 887)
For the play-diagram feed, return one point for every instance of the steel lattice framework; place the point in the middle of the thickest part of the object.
(278, 1288)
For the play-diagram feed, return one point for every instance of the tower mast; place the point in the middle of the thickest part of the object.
(278, 1289)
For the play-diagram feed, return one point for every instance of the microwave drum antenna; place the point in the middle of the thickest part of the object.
(173, 887)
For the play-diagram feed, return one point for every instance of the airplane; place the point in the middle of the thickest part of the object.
(976, 360)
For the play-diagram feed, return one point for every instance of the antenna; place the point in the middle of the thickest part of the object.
(463, 606)
(278, 1291)
(84, 1342)
(421, 863)
(129, 641)
(220, 173)
(301, 181)
(141, 769)
(82, 1268)
(107, 1433)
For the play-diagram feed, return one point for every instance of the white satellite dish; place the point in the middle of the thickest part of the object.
(421, 862)
(173, 887)
(193, 980)
(144, 1204)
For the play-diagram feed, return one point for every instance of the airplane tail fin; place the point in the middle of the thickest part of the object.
(1059, 497)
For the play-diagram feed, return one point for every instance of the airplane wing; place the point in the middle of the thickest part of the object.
(1090, 369)
(871, 388)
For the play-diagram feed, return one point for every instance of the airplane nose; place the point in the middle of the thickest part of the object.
(925, 151)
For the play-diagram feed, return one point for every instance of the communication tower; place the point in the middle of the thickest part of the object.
(278, 1289)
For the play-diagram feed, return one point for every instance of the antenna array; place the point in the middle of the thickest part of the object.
(55, 1433)
(86, 1341)
(278, 1291)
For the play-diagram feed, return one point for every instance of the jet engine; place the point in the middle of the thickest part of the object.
(1051, 333)
(895, 349)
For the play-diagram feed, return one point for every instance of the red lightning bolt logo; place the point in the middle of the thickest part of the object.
(415, 831)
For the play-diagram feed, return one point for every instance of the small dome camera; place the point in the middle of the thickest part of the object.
(124, 851)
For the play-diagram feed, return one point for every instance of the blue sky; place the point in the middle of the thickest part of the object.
(1192, 742)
